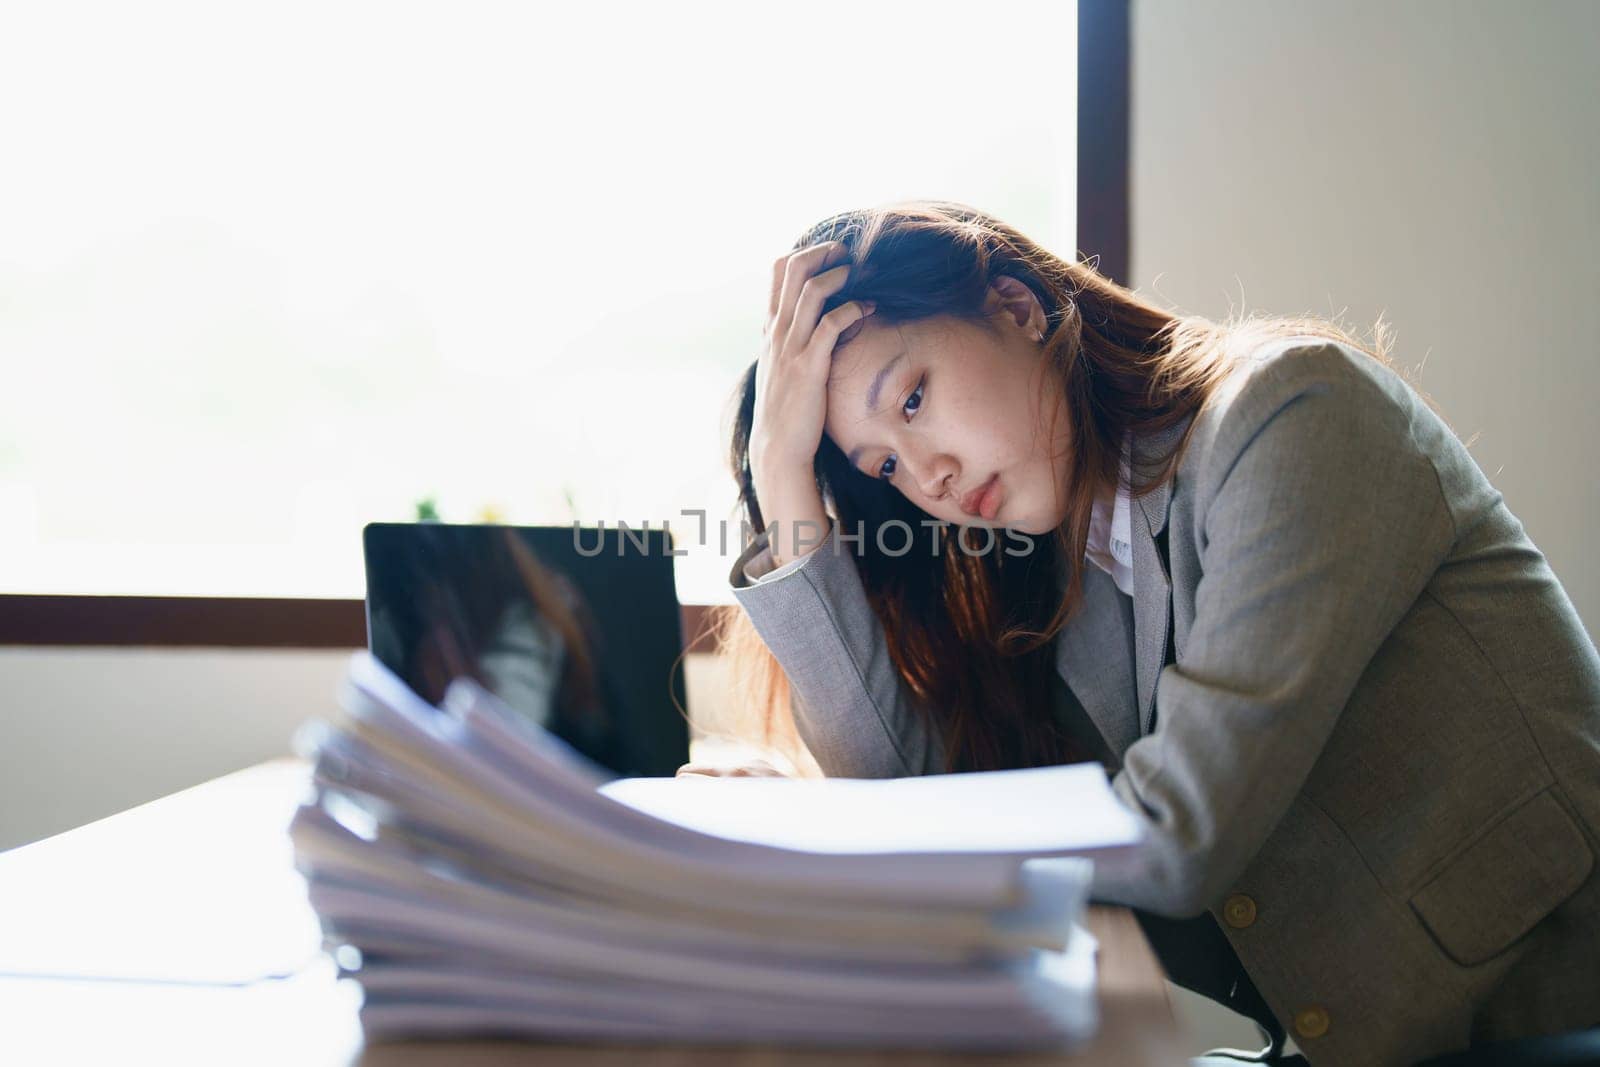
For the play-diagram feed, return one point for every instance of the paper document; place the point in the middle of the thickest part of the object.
(1040, 811)
(477, 877)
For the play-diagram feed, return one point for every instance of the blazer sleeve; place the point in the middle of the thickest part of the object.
(1319, 519)
(852, 710)
(760, 568)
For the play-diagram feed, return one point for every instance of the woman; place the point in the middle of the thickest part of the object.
(1351, 703)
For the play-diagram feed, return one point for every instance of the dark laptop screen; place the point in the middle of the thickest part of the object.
(575, 630)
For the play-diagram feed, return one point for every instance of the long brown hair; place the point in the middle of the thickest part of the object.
(971, 633)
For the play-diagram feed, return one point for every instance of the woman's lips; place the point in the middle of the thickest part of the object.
(989, 503)
(984, 500)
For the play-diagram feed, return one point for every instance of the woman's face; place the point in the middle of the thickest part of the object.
(940, 407)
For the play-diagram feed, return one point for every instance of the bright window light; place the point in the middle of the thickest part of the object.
(272, 271)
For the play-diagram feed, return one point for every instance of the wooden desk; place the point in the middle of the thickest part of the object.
(178, 932)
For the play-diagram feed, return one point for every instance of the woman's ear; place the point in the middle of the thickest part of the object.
(1014, 298)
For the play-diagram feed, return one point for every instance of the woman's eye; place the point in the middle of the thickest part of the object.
(913, 402)
(912, 405)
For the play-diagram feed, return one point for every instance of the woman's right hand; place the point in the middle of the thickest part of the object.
(791, 389)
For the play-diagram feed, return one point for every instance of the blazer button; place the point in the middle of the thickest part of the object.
(1239, 911)
(1311, 1022)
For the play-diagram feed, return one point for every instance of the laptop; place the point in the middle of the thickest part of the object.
(576, 629)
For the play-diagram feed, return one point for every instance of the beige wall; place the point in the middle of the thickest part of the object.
(1435, 160)
(89, 732)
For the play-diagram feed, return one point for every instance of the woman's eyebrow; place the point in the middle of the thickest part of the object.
(872, 396)
(877, 382)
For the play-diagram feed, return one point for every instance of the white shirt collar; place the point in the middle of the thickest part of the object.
(1110, 544)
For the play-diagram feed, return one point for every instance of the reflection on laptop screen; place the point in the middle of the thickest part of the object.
(576, 630)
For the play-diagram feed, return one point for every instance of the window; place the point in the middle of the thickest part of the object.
(268, 273)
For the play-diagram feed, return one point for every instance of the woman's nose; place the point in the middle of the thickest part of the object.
(934, 475)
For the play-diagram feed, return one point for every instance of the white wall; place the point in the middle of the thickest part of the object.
(1436, 160)
(89, 732)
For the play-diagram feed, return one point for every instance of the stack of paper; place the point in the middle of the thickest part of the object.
(477, 876)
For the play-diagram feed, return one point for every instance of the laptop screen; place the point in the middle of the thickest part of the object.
(575, 629)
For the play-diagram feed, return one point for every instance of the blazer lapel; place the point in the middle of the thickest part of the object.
(1094, 656)
(1152, 584)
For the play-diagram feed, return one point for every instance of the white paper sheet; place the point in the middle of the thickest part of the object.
(1041, 811)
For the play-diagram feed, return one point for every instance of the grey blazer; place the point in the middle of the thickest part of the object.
(1373, 752)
